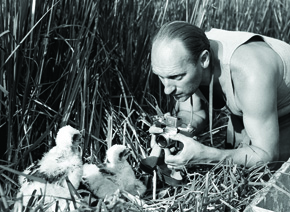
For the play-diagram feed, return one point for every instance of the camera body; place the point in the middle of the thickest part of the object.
(170, 125)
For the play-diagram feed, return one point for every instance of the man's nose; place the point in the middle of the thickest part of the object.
(168, 86)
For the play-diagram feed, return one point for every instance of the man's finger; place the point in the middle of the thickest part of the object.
(177, 137)
(169, 158)
(175, 167)
(180, 137)
(155, 130)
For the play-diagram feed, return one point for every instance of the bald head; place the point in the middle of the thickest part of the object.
(168, 54)
(193, 38)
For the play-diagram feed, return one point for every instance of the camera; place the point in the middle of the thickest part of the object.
(171, 126)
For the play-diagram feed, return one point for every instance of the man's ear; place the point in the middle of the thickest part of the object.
(204, 59)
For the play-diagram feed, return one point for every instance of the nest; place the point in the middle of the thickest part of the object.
(210, 187)
(224, 186)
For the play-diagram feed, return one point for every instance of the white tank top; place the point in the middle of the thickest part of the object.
(230, 41)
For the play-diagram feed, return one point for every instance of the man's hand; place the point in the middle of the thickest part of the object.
(191, 152)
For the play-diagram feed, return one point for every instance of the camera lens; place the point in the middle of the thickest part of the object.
(162, 140)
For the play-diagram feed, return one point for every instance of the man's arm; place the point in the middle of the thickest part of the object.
(255, 68)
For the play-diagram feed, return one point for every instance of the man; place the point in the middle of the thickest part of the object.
(246, 72)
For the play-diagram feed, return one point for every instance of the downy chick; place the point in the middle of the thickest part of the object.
(116, 173)
(99, 181)
(61, 162)
(116, 162)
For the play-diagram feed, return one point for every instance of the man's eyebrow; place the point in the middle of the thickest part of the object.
(176, 75)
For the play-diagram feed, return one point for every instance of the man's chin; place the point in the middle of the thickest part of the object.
(181, 98)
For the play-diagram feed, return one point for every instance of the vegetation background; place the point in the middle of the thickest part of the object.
(87, 63)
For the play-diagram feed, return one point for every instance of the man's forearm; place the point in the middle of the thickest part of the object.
(247, 155)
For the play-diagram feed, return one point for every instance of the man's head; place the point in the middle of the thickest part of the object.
(180, 51)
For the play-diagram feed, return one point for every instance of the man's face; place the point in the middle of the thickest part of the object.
(170, 61)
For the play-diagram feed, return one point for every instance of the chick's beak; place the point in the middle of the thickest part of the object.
(82, 132)
(126, 152)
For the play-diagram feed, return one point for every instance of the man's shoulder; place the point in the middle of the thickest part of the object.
(254, 66)
(255, 59)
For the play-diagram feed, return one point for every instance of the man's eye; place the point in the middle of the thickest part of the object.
(176, 77)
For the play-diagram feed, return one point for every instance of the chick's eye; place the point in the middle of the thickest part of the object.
(76, 137)
(121, 155)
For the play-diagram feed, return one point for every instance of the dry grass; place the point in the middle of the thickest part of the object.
(86, 63)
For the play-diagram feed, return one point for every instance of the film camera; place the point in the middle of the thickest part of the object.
(169, 124)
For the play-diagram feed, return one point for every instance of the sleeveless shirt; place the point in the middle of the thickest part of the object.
(230, 41)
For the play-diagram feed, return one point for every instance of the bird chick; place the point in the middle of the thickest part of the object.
(61, 162)
(98, 180)
(116, 162)
(116, 173)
